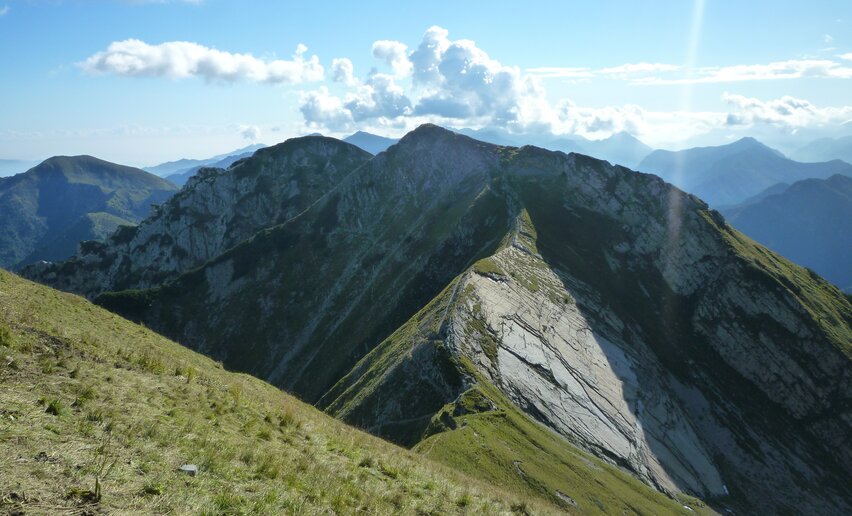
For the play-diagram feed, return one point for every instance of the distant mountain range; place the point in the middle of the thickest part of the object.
(825, 149)
(180, 178)
(505, 311)
(181, 166)
(809, 222)
(47, 211)
(371, 143)
(619, 149)
(729, 174)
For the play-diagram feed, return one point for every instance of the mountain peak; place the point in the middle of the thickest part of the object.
(430, 131)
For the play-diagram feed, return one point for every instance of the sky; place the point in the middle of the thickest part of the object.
(145, 81)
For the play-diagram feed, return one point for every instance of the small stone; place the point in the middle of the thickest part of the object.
(190, 469)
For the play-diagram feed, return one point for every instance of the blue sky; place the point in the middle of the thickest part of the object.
(141, 82)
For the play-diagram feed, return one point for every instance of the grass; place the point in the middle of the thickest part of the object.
(495, 441)
(123, 408)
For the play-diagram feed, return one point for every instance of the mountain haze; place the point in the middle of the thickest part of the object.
(729, 174)
(807, 222)
(371, 143)
(181, 166)
(825, 149)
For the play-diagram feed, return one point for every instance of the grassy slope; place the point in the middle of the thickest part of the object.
(80, 387)
(505, 447)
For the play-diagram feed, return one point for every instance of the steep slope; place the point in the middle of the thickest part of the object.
(612, 308)
(825, 149)
(808, 223)
(679, 350)
(85, 394)
(47, 211)
(328, 285)
(729, 174)
(216, 210)
(369, 142)
(182, 165)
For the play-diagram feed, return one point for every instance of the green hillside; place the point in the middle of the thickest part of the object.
(46, 211)
(88, 398)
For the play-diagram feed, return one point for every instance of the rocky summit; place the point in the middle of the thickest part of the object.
(506, 311)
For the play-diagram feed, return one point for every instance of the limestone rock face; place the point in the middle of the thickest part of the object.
(214, 211)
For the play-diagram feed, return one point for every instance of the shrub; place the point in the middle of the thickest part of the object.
(53, 407)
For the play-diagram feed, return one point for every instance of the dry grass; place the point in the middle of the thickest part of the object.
(89, 398)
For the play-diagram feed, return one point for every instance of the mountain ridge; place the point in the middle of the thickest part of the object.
(666, 307)
(64, 200)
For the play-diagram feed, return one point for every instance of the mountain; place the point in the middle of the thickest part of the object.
(619, 149)
(182, 165)
(88, 395)
(825, 149)
(500, 309)
(215, 211)
(47, 211)
(729, 174)
(180, 178)
(808, 222)
(9, 167)
(371, 143)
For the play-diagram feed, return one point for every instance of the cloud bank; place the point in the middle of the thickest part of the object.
(181, 59)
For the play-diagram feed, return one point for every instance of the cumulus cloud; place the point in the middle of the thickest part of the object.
(342, 71)
(454, 82)
(451, 80)
(180, 59)
(786, 111)
(250, 132)
(846, 57)
(395, 54)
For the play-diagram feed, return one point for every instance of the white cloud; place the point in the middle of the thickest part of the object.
(250, 132)
(180, 59)
(342, 71)
(561, 71)
(395, 55)
(624, 71)
(4, 10)
(846, 57)
(792, 69)
(786, 111)
(456, 83)
(827, 39)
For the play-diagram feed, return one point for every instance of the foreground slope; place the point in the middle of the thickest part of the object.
(85, 394)
(807, 222)
(729, 174)
(216, 210)
(47, 211)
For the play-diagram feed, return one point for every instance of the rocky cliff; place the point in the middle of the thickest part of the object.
(215, 210)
